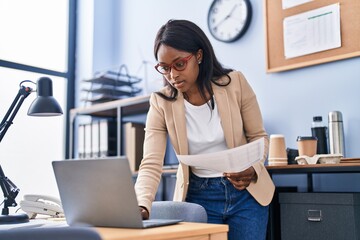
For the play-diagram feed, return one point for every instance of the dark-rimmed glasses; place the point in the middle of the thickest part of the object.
(178, 65)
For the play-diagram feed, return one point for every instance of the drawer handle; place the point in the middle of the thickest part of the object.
(314, 215)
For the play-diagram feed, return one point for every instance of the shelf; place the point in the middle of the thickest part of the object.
(116, 109)
(129, 106)
(165, 171)
(112, 91)
(114, 80)
(111, 111)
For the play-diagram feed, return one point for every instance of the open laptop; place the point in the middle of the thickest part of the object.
(100, 193)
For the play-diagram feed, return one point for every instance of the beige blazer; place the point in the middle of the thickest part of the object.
(241, 121)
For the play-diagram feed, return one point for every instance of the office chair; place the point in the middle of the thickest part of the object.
(188, 212)
(50, 233)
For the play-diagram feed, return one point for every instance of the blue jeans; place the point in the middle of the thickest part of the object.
(224, 204)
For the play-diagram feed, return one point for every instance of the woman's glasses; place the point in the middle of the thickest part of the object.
(178, 65)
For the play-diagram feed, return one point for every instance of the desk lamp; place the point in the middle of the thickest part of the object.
(44, 105)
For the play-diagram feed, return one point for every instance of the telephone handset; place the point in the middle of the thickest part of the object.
(41, 204)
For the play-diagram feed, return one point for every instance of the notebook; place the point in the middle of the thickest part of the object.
(100, 193)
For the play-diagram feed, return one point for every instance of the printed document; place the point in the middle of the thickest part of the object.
(231, 160)
(312, 31)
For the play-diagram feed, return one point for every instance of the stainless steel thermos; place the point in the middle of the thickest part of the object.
(336, 133)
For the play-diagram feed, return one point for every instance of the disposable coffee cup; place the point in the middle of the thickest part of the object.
(277, 150)
(307, 145)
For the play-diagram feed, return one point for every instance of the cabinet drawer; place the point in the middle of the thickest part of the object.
(319, 216)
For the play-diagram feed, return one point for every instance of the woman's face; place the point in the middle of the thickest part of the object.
(182, 68)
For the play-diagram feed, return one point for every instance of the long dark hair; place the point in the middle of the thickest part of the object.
(186, 36)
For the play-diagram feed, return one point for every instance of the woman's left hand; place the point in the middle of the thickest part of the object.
(242, 180)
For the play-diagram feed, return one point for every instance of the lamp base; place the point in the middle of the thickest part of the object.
(15, 218)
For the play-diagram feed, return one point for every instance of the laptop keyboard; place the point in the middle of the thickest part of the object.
(159, 222)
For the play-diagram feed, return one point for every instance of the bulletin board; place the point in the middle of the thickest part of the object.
(274, 15)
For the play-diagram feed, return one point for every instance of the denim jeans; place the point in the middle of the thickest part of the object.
(224, 204)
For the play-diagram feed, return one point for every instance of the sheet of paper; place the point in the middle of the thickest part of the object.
(292, 3)
(231, 160)
(313, 31)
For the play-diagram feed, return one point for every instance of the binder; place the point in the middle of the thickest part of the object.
(134, 141)
(95, 139)
(81, 141)
(87, 145)
(107, 139)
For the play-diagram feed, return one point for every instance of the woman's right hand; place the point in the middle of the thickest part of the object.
(144, 213)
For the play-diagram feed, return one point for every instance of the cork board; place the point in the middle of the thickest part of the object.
(274, 15)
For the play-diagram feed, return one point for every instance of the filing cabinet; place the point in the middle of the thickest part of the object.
(320, 216)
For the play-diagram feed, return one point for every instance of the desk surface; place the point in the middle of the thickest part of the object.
(183, 230)
(315, 168)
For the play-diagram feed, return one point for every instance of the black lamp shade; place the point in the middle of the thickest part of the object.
(45, 104)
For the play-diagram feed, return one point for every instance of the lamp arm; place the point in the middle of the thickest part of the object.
(7, 186)
(13, 109)
(10, 192)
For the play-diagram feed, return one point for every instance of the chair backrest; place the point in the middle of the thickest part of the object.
(188, 212)
(50, 233)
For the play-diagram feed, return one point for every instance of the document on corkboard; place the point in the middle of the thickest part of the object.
(312, 31)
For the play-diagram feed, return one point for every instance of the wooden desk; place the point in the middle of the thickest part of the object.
(180, 231)
(310, 169)
(315, 168)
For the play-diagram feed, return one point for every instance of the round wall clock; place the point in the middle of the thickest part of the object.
(228, 20)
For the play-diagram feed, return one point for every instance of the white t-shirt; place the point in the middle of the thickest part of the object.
(205, 134)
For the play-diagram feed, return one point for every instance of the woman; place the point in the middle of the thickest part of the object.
(204, 108)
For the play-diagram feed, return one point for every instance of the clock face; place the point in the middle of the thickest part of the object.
(229, 19)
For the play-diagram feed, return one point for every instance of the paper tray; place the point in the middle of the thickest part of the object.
(319, 158)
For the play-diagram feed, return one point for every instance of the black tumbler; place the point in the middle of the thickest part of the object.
(320, 131)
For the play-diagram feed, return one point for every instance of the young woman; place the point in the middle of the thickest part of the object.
(204, 108)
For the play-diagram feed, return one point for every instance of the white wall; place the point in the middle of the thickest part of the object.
(36, 36)
(288, 100)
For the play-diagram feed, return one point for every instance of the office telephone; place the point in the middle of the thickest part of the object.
(41, 204)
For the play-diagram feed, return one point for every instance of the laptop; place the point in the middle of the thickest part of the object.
(100, 193)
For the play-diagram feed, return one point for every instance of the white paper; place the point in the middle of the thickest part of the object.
(292, 3)
(231, 160)
(313, 31)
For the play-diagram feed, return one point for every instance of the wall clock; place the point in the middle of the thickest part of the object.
(228, 20)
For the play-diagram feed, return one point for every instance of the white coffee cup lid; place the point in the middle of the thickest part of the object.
(276, 136)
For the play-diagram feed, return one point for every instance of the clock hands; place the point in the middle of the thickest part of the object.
(226, 17)
(232, 11)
